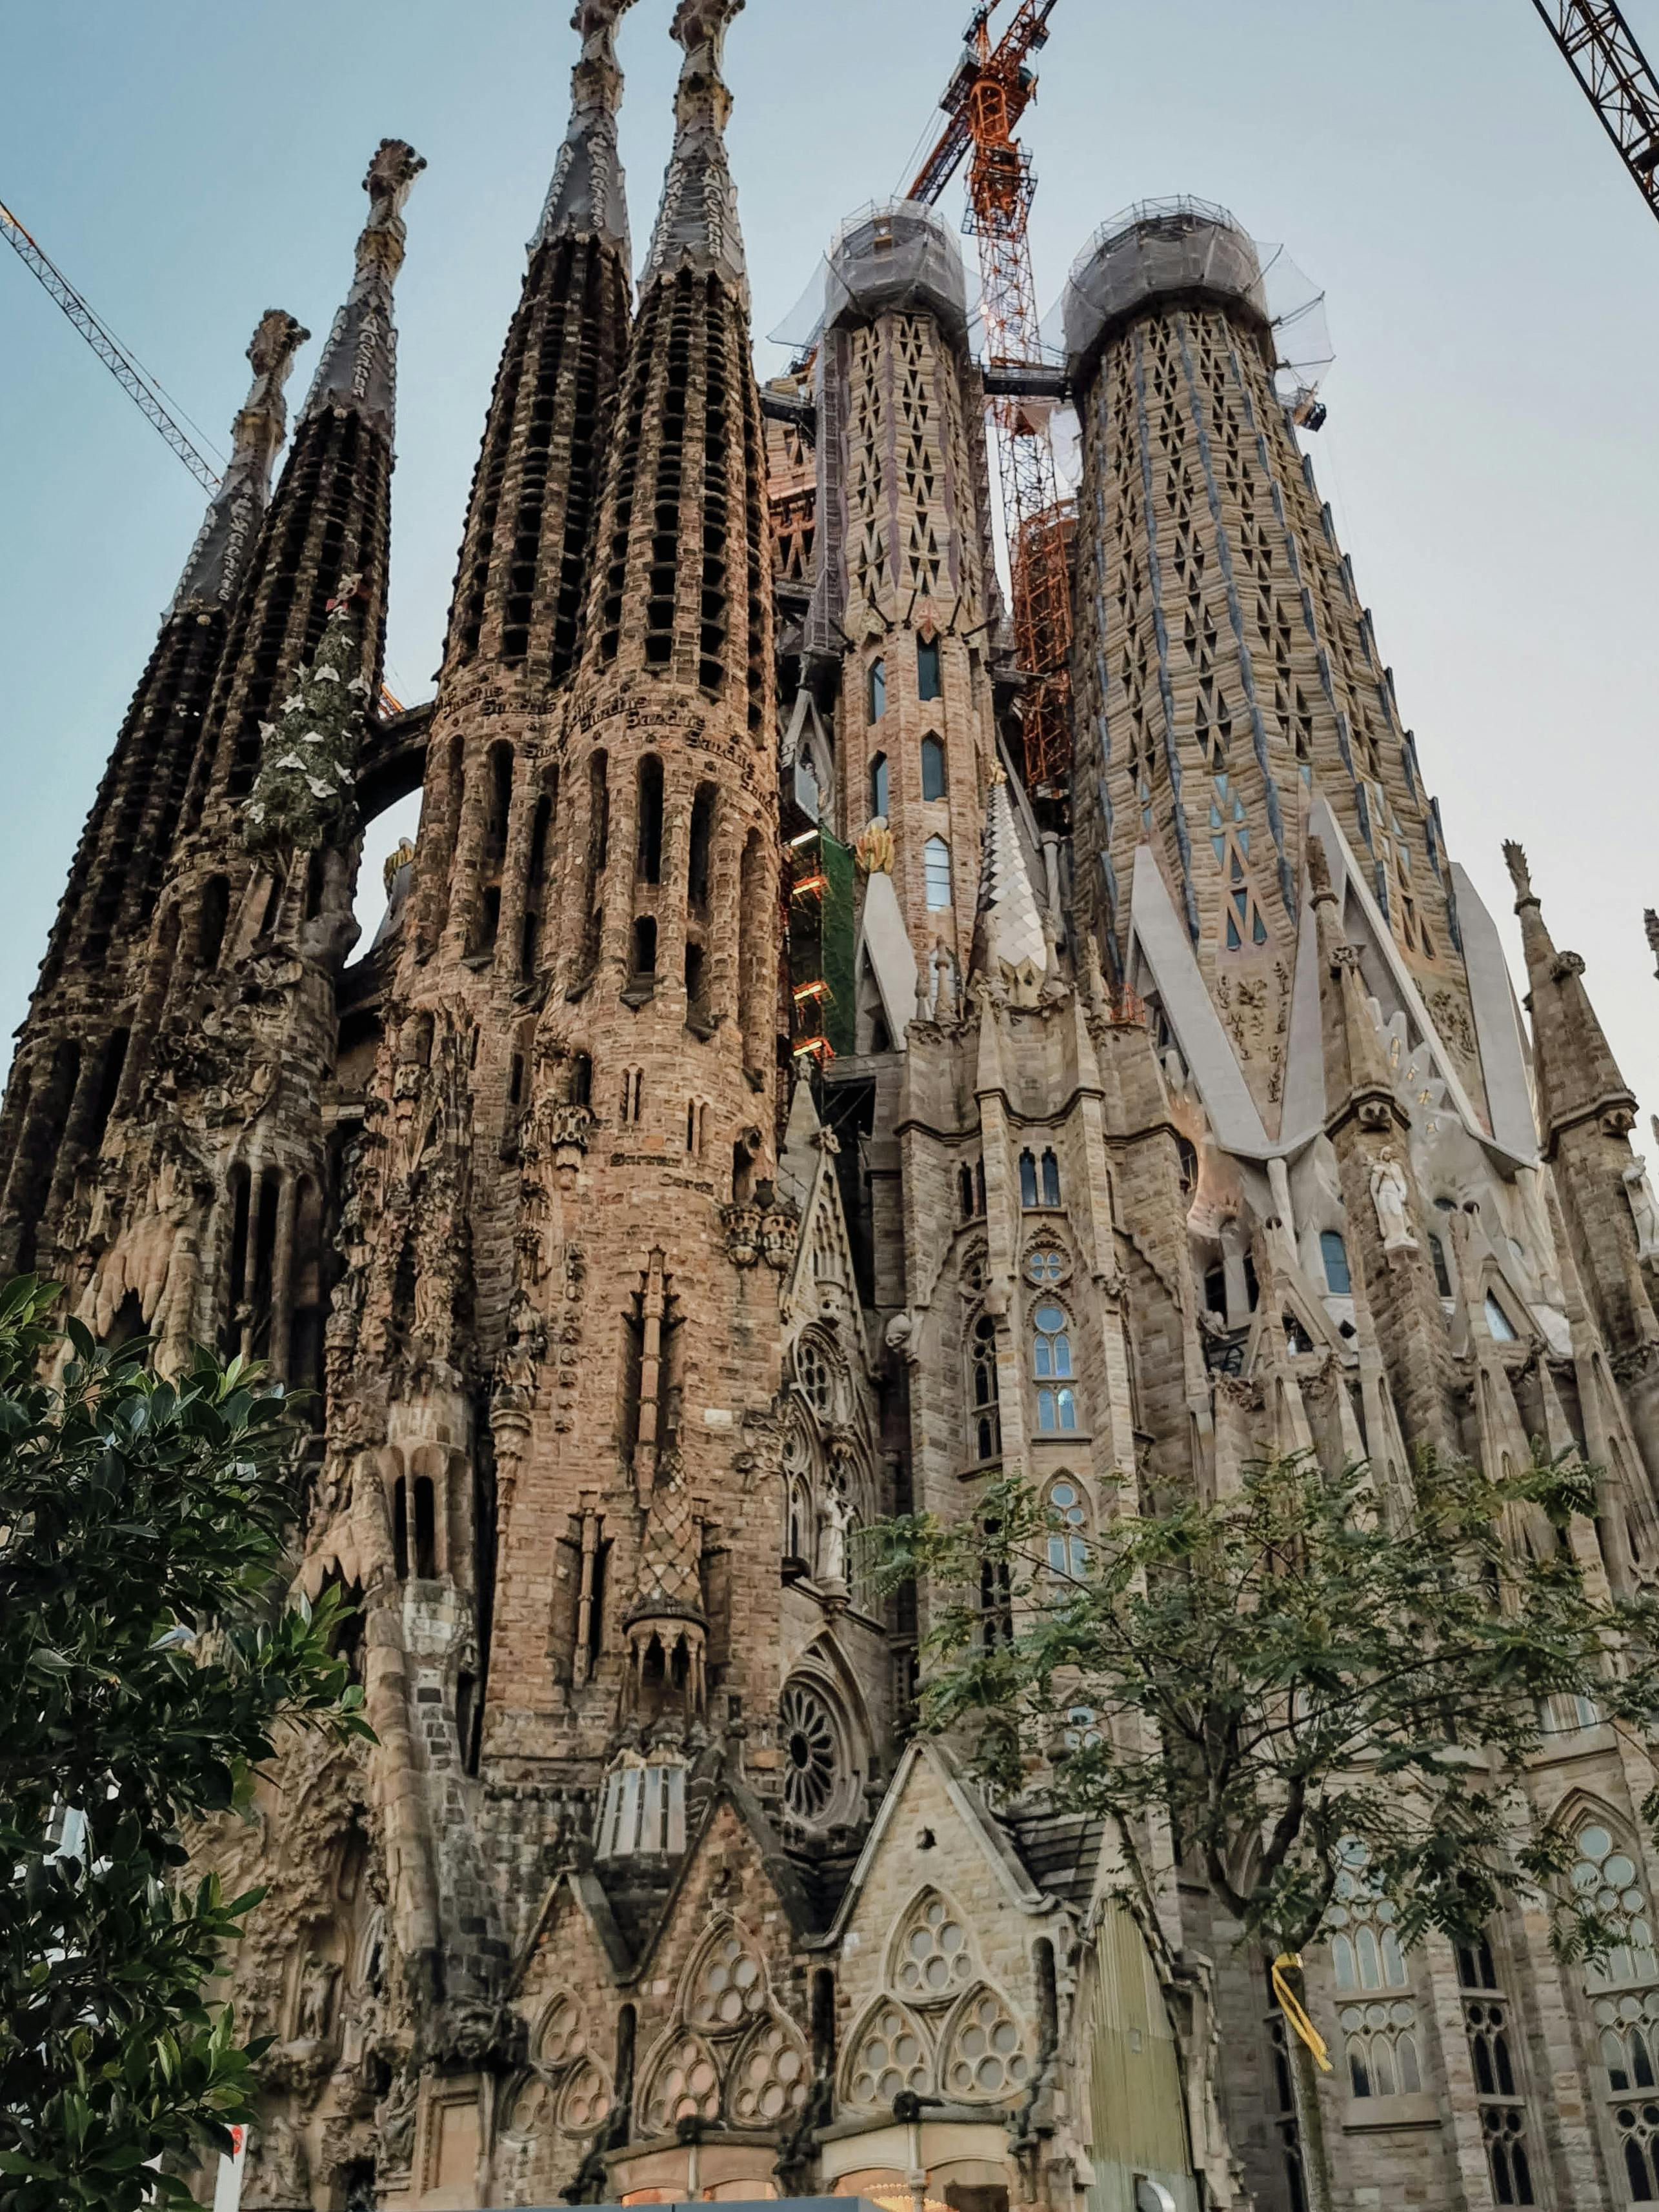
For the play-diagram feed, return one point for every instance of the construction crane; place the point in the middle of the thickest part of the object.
(1602, 53)
(983, 104)
(133, 380)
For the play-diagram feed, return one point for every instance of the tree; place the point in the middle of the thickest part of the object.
(147, 1665)
(1325, 1700)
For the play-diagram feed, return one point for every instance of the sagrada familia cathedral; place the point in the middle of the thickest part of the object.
(761, 1111)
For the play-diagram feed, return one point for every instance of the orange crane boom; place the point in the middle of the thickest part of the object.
(985, 102)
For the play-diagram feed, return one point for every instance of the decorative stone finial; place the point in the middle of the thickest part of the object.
(697, 223)
(588, 196)
(358, 363)
(220, 553)
(1650, 923)
(1514, 859)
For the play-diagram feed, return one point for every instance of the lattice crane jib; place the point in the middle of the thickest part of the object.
(983, 104)
(1601, 50)
(138, 386)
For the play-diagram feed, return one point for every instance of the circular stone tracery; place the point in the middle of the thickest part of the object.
(812, 1752)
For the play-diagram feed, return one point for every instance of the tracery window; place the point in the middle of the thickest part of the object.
(815, 1375)
(1378, 2019)
(1495, 2058)
(1044, 1266)
(985, 1391)
(1625, 2000)
(1069, 1525)
(1050, 1367)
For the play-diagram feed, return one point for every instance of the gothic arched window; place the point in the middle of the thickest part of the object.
(1334, 1253)
(985, 1391)
(935, 864)
(928, 673)
(1027, 1179)
(1068, 1520)
(1050, 1178)
(1050, 1366)
(878, 689)
(878, 785)
(933, 768)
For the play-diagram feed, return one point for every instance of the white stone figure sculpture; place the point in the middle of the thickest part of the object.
(1644, 1209)
(1388, 1194)
(834, 1515)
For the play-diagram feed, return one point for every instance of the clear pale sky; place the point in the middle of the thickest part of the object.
(1493, 274)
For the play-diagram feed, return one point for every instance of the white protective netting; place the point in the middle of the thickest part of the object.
(1162, 248)
(898, 257)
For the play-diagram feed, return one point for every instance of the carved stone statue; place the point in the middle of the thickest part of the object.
(834, 1517)
(1389, 1192)
(394, 2123)
(1644, 1209)
(317, 2000)
(278, 2174)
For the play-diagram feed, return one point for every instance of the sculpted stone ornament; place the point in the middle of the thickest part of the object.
(317, 2000)
(1389, 1193)
(394, 2122)
(277, 2178)
(1644, 1209)
(873, 849)
(834, 1517)
(742, 1226)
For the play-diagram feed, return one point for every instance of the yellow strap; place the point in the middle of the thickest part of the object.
(1290, 2006)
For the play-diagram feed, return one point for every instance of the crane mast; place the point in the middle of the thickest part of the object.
(984, 103)
(1601, 50)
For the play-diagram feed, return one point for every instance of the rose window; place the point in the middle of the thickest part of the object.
(586, 2102)
(771, 2080)
(1046, 1265)
(731, 1988)
(687, 2088)
(891, 2058)
(561, 2038)
(986, 2059)
(812, 1749)
(933, 1963)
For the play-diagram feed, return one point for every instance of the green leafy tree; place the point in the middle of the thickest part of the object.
(1322, 1697)
(146, 1667)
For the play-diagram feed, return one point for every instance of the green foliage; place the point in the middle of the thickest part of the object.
(304, 794)
(1301, 1683)
(146, 1664)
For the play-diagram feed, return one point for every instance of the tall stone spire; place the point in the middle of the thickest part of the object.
(697, 225)
(219, 556)
(331, 517)
(1586, 1111)
(587, 197)
(1577, 1077)
(358, 367)
(1010, 948)
(72, 1055)
(521, 583)
(1369, 1132)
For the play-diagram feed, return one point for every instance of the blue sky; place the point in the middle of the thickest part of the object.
(1492, 279)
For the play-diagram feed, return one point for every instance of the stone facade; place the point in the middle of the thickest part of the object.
(757, 1114)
